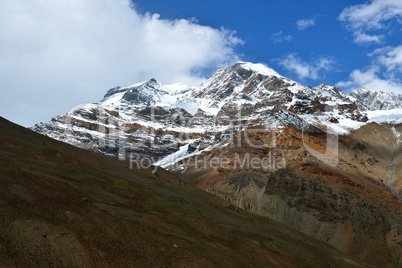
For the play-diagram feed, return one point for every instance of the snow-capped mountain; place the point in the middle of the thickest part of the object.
(228, 135)
(153, 119)
(376, 100)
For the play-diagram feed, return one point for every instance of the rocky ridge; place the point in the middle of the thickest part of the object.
(155, 120)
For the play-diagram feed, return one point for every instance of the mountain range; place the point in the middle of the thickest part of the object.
(235, 97)
(321, 161)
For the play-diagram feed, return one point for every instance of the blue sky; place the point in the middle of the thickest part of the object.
(55, 55)
(281, 32)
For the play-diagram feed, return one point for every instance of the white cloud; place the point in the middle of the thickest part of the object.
(279, 37)
(365, 38)
(382, 74)
(371, 22)
(305, 23)
(55, 54)
(369, 17)
(311, 70)
(390, 58)
(370, 79)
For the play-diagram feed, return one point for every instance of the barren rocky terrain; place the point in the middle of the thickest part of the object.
(353, 205)
(321, 161)
(66, 207)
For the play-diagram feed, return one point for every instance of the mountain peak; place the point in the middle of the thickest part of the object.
(256, 67)
(151, 83)
(360, 90)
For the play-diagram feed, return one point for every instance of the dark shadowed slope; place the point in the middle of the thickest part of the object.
(63, 206)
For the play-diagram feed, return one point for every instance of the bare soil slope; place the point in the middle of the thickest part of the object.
(65, 207)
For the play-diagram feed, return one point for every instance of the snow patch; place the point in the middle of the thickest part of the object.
(259, 68)
(393, 116)
(175, 157)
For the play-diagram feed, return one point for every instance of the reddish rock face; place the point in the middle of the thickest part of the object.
(350, 205)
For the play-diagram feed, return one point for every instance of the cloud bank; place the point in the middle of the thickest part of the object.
(371, 79)
(55, 54)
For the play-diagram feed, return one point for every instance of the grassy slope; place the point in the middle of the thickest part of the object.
(62, 206)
